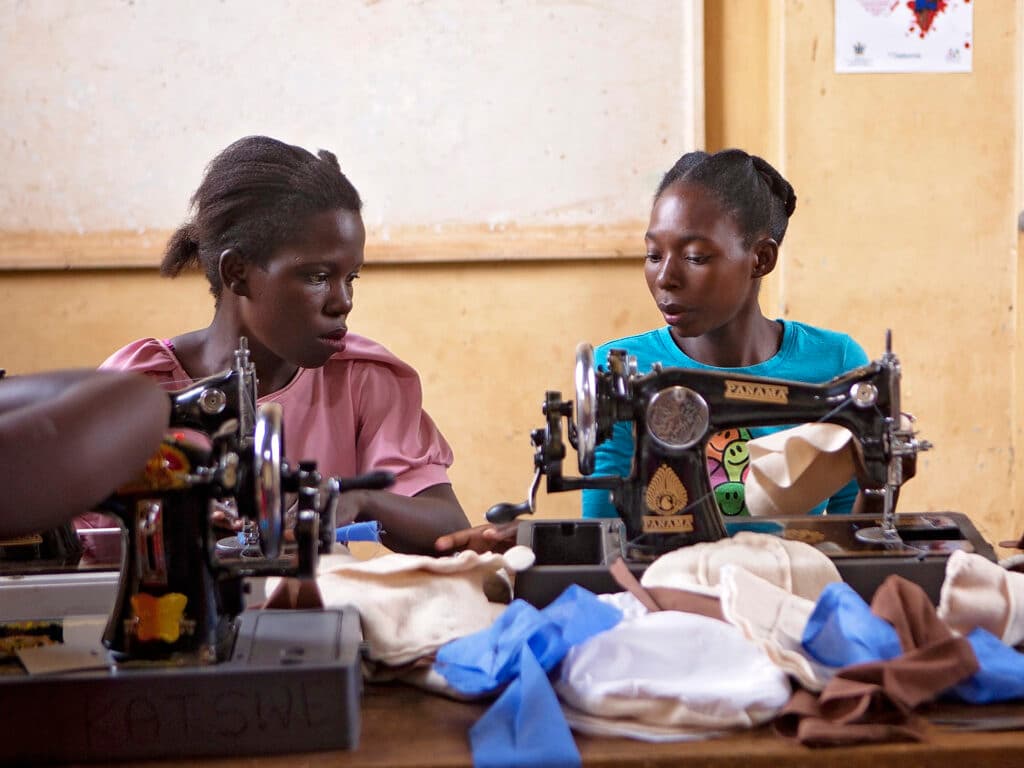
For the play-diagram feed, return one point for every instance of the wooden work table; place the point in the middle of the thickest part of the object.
(406, 727)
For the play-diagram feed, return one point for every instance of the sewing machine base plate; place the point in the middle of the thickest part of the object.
(292, 684)
(579, 551)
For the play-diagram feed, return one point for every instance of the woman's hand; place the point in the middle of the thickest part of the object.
(480, 538)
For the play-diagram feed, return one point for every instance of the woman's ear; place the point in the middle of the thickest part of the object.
(233, 271)
(766, 254)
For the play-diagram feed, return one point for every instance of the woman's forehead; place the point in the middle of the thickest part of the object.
(685, 204)
(329, 234)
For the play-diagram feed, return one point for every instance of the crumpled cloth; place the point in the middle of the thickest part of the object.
(641, 680)
(793, 566)
(794, 470)
(768, 616)
(774, 620)
(979, 593)
(875, 700)
(525, 726)
(411, 605)
(673, 669)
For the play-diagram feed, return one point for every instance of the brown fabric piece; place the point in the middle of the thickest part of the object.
(670, 599)
(625, 579)
(875, 701)
(665, 598)
(905, 605)
(802, 721)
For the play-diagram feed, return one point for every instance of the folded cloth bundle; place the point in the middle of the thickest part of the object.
(768, 616)
(691, 673)
(774, 620)
(793, 470)
(979, 593)
(793, 566)
(411, 605)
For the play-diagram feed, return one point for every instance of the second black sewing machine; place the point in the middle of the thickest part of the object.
(674, 413)
(187, 671)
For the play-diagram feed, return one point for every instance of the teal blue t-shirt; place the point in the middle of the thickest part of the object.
(807, 354)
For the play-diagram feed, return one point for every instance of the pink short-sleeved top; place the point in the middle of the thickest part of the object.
(359, 412)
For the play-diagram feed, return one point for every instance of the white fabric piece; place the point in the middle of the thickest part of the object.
(411, 605)
(673, 669)
(979, 593)
(794, 470)
(774, 621)
(626, 602)
(794, 566)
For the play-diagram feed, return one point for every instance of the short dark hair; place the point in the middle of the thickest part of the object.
(748, 186)
(255, 197)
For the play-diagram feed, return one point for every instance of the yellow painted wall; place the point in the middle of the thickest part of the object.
(487, 338)
(906, 218)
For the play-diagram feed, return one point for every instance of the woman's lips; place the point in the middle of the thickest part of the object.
(672, 313)
(335, 340)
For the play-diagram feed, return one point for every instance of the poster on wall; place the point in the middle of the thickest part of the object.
(904, 35)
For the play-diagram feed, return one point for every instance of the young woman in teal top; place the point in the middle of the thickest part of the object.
(715, 230)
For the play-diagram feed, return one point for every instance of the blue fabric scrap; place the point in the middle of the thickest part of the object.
(525, 727)
(366, 531)
(488, 659)
(1001, 673)
(842, 630)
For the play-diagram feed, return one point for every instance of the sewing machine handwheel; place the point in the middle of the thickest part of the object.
(586, 407)
(267, 453)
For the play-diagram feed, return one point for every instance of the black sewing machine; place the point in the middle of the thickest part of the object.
(190, 671)
(667, 501)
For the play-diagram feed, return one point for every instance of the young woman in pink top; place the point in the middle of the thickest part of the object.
(279, 234)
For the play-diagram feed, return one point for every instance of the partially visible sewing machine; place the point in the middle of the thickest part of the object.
(190, 672)
(667, 501)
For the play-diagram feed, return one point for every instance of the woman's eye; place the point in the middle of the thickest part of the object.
(317, 278)
(697, 258)
(352, 278)
(654, 258)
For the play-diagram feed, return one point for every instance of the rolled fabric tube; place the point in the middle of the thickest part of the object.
(366, 531)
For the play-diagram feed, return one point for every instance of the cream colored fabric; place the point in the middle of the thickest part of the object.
(673, 670)
(979, 593)
(793, 566)
(632, 729)
(411, 605)
(772, 619)
(794, 470)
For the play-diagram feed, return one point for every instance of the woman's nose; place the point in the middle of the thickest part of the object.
(667, 275)
(339, 301)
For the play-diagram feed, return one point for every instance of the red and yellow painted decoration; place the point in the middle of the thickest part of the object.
(158, 618)
(166, 469)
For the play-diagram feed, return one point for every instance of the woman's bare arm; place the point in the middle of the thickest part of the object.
(70, 438)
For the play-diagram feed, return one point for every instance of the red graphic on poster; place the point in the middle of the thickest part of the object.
(924, 12)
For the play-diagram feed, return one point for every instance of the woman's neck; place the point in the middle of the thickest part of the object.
(738, 345)
(212, 350)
